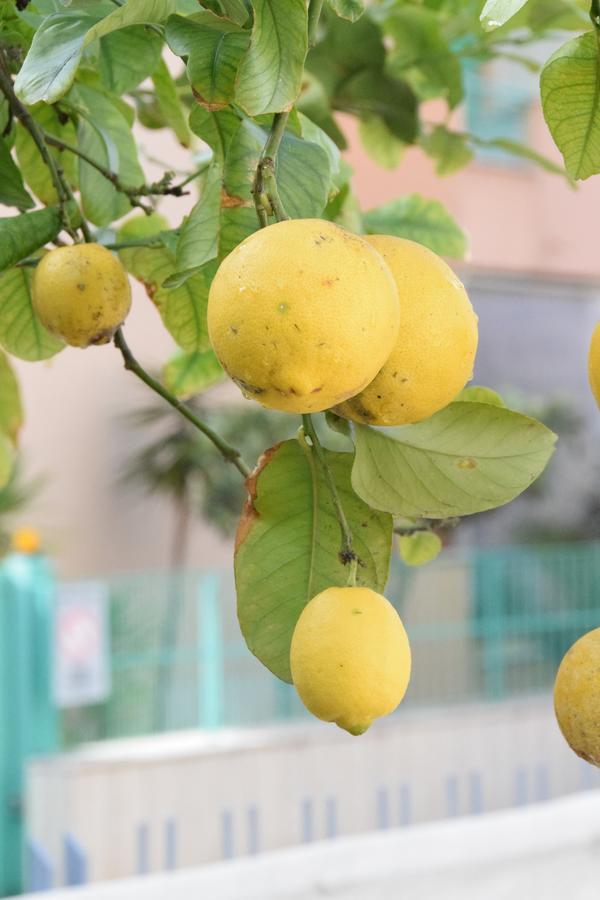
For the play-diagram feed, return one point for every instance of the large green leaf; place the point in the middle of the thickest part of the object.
(373, 92)
(570, 85)
(496, 12)
(21, 332)
(12, 189)
(105, 135)
(188, 374)
(420, 52)
(270, 76)
(182, 309)
(288, 546)
(11, 409)
(467, 458)
(33, 168)
(214, 49)
(418, 219)
(169, 104)
(127, 57)
(379, 142)
(21, 235)
(51, 64)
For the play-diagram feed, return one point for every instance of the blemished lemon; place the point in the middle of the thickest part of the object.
(577, 697)
(26, 540)
(594, 363)
(434, 353)
(81, 294)
(303, 314)
(350, 657)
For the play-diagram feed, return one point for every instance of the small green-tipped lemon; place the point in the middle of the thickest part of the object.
(302, 315)
(81, 294)
(350, 657)
(594, 363)
(577, 697)
(434, 353)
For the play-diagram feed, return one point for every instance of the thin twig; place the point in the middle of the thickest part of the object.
(347, 554)
(229, 453)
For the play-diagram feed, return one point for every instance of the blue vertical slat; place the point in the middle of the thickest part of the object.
(210, 649)
(39, 875)
(142, 850)
(170, 844)
(404, 805)
(307, 826)
(253, 833)
(451, 796)
(227, 843)
(75, 861)
(330, 817)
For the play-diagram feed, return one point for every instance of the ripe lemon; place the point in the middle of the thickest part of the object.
(302, 315)
(577, 697)
(26, 540)
(434, 354)
(350, 657)
(594, 363)
(81, 294)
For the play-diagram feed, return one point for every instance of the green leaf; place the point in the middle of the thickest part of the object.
(348, 9)
(420, 52)
(372, 92)
(11, 409)
(33, 168)
(199, 237)
(105, 134)
(450, 150)
(21, 235)
(7, 460)
(53, 59)
(188, 374)
(314, 103)
(235, 10)
(418, 219)
(288, 546)
(182, 309)
(21, 332)
(169, 104)
(346, 50)
(12, 189)
(570, 85)
(467, 458)
(419, 548)
(270, 76)
(127, 57)
(478, 394)
(382, 146)
(496, 12)
(214, 53)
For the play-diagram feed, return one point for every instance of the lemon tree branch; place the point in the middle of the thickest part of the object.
(229, 453)
(264, 188)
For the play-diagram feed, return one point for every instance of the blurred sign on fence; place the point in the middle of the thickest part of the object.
(81, 644)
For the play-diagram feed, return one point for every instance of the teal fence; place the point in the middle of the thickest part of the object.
(485, 626)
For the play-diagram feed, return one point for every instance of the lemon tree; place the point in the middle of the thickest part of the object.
(274, 276)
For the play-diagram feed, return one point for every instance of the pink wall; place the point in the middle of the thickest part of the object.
(517, 218)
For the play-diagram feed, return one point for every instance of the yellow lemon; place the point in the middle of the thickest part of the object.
(577, 697)
(302, 315)
(26, 540)
(594, 363)
(81, 294)
(350, 657)
(434, 354)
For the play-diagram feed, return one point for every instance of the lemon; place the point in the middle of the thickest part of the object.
(350, 657)
(302, 315)
(594, 363)
(81, 294)
(577, 697)
(26, 540)
(434, 354)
